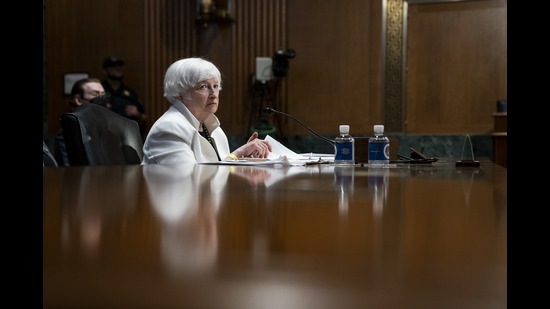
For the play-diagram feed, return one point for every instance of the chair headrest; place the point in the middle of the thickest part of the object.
(95, 135)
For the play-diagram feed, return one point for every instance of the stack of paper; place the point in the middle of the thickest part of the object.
(281, 156)
(279, 151)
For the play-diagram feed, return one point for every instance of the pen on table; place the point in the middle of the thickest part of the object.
(317, 162)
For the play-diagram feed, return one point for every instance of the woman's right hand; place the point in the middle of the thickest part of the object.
(255, 147)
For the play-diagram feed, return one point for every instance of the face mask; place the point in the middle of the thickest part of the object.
(115, 77)
(100, 101)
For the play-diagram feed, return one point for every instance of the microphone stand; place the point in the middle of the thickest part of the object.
(271, 110)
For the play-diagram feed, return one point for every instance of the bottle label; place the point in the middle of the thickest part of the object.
(344, 151)
(379, 151)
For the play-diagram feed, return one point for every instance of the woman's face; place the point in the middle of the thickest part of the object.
(204, 99)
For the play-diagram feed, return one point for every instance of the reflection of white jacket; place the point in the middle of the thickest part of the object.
(186, 198)
(174, 138)
(174, 190)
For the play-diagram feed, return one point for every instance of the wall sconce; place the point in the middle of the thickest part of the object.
(218, 11)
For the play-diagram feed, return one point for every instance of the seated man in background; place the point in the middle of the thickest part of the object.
(87, 90)
(124, 100)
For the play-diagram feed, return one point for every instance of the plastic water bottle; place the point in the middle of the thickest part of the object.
(344, 146)
(379, 147)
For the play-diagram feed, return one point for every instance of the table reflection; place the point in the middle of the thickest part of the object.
(91, 201)
(319, 236)
(378, 179)
(186, 198)
(343, 179)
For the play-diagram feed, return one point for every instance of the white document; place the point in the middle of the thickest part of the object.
(280, 156)
(278, 151)
(279, 162)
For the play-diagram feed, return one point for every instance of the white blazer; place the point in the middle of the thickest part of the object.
(174, 138)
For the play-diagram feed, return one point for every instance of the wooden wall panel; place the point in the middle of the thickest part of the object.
(169, 32)
(337, 76)
(331, 80)
(257, 32)
(80, 35)
(154, 33)
(457, 66)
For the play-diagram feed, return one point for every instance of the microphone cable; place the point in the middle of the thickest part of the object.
(271, 110)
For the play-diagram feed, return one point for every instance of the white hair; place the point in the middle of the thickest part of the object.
(184, 74)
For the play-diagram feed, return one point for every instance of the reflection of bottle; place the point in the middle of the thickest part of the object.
(378, 184)
(379, 147)
(344, 146)
(343, 179)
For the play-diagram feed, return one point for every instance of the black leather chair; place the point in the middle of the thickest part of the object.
(94, 135)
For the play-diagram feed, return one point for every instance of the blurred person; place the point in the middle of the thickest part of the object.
(88, 219)
(124, 100)
(188, 213)
(86, 90)
(189, 131)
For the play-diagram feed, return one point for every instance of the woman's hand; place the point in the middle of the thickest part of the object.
(254, 175)
(255, 147)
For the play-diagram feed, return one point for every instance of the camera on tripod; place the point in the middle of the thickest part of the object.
(275, 67)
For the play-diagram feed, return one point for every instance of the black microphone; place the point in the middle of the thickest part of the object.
(271, 110)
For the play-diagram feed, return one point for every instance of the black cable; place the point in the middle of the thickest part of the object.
(271, 110)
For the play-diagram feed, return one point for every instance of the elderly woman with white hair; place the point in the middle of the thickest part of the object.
(189, 132)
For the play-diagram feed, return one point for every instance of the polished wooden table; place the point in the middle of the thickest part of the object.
(319, 236)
